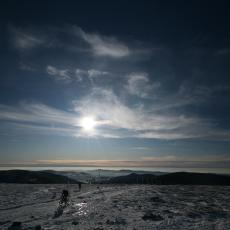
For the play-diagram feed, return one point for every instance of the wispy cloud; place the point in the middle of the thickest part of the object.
(35, 113)
(113, 119)
(91, 74)
(191, 158)
(160, 161)
(140, 148)
(23, 40)
(74, 39)
(139, 84)
(141, 122)
(26, 67)
(184, 95)
(100, 102)
(214, 162)
(70, 75)
(63, 75)
(103, 45)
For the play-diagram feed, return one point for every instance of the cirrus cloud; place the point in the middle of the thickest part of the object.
(70, 75)
(25, 40)
(103, 45)
(138, 84)
(113, 117)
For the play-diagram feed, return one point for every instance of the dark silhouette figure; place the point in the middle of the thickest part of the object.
(64, 197)
(63, 203)
(79, 186)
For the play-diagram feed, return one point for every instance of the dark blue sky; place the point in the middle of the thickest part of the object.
(123, 83)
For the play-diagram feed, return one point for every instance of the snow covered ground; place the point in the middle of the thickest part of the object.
(115, 207)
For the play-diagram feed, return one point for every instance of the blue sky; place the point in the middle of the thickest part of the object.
(115, 84)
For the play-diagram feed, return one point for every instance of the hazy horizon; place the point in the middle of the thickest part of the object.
(89, 168)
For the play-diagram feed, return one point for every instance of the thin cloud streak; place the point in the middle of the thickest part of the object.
(157, 126)
(58, 74)
(73, 38)
(23, 40)
(164, 161)
(36, 113)
(103, 45)
(74, 75)
(138, 84)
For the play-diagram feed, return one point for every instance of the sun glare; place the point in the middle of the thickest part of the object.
(88, 123)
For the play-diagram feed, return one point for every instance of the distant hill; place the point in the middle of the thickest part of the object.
(101, 175)
(194, 178)
(75, 175)
(52, 177)
(184, 178)
(33, 177)
(134, 178)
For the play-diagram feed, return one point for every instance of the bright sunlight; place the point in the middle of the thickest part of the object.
(88, 123)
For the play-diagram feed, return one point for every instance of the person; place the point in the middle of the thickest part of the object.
(64, 197)
(79, 186)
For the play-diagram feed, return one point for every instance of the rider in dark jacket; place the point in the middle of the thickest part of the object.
(64, 197)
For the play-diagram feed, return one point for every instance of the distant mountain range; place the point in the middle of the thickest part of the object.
(184, 178)
(33, 177)
(122, 172)
(55, 177)
(100, 175)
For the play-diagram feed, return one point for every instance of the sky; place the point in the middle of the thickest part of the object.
(115, 83)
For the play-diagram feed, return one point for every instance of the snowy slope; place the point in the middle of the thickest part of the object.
(116, 207)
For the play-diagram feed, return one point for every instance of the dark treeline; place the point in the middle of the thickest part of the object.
(49, 177)
(33, 177)
(184, 178)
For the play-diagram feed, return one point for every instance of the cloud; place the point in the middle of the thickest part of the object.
(214, 162)
(63, 75)
(25, 40)
(73, 38)
(140, 122)
(70, 75)
(103, 45)
(113, 119)
(35, 113)
(44, 129)
(140, 148)
(138, 84)
(185, 95)
(158, 161)
(26, 67)
(100, 102)
(95, 73)
(196, 166)
(91, 74)
(190, 158)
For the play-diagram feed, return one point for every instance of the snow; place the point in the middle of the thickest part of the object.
(115, 207)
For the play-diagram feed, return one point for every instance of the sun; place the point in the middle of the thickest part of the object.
(88, 123)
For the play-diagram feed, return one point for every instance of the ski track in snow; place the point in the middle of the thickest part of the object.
(116, 207)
